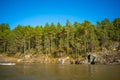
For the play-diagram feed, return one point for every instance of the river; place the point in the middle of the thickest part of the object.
(36, 71)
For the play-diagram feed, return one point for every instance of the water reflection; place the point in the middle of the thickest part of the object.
(91, 72)
(36, 71)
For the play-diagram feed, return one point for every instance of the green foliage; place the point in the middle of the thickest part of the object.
(72, 39)
(116, 29)
(4, 37)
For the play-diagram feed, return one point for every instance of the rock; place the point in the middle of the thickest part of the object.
(27, 56)
(85, 62)
(93, 60)
(64, 60)
(19, 60)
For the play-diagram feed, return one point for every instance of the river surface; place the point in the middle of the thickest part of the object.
(36, 71)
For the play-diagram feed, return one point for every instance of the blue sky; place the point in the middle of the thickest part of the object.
(38, 12)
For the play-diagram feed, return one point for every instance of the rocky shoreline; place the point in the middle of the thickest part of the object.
(99, 58)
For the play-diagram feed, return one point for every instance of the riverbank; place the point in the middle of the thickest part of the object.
(99, 58)
(39, 59)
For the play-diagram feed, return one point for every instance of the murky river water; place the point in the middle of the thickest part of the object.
(36, 71)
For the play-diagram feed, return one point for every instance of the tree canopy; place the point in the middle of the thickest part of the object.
(71, 39)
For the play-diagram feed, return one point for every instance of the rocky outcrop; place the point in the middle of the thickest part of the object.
(106, 57)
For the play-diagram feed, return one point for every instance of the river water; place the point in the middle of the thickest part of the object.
(36, 71)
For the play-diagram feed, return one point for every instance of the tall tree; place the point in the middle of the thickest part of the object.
(38, 33)
(68, 24)
(116, 28)
(19, 32)
(52, 33)
(4, 32)
(29, 34)
(59, 35)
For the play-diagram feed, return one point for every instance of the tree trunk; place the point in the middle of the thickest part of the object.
(60, 44)
(4, 46)
(24, 46)
(29, 44)
(85, 47)
(50, 44)
(67, 40)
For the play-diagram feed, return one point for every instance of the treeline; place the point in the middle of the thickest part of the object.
(56, 40)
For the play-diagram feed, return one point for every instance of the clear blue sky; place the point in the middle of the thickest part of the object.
(38, 12)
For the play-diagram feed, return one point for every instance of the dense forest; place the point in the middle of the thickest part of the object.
(56, 40)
